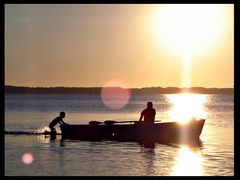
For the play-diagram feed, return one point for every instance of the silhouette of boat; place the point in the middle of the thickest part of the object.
(163, 132)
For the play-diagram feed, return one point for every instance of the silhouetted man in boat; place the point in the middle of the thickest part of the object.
(59, 120)
(148, 114)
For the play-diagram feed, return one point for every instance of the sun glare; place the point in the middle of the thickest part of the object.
(188, 26)
(187, 30)
(187, 106)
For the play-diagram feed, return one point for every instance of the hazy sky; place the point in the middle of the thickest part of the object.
(137, 45)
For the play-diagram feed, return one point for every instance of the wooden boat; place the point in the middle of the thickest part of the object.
(163, 132)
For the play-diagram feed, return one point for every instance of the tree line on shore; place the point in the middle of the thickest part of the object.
(97, 90)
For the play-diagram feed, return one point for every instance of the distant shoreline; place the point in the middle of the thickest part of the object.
(97, 90)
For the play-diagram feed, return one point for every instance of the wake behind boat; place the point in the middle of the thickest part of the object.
(31, 133)
(163, 132)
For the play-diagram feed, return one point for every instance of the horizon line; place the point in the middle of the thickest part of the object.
(120, 86)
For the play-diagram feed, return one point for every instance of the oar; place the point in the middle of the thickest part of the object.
(95, 122)
(110, 122)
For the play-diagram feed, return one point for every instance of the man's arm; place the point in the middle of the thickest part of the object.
(154, 114)
(62, 122)
(140, 119)
(142, 114)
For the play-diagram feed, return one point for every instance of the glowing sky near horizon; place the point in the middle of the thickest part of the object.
(139, 44)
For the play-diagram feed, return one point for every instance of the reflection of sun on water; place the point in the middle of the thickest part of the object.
(188, 163)
(187, 106)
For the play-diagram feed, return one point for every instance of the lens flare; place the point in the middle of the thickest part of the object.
(115, 94)
(27, 158)
(149, 57)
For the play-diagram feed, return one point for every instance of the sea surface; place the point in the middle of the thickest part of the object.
(38, 155)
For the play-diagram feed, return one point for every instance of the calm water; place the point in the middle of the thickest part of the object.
(33, 155)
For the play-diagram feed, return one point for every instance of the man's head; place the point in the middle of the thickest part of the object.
(62, 114)
(149, 104)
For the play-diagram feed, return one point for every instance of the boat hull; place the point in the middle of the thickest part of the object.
(139, 132)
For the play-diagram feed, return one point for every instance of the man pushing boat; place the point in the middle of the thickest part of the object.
(57, 120)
